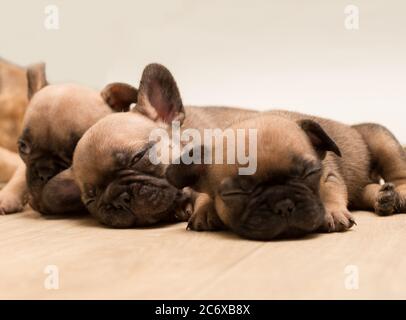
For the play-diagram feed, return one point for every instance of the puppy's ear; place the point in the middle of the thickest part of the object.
(183, 173)
(158, 97)
(36, 78)
(119, 96)
(319, 138)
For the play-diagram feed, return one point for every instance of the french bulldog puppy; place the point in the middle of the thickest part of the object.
(120, 186)
(310, 170)
(56, 118)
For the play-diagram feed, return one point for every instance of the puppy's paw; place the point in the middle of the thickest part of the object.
(10, 203)
(386, 200)
(205, 219)
(184, 208)
(337, 220)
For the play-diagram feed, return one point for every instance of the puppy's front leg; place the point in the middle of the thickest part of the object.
(13, 196)
(333, 192)
(184, 204)
(204, 217)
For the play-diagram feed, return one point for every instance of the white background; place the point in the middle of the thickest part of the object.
(257, 54)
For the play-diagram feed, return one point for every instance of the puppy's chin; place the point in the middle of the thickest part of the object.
(135, 200)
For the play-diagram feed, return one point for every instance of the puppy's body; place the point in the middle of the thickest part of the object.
(370, 152)
(214, 117)
(306, 179)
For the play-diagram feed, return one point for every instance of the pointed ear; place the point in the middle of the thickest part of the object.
(183, 173)
(319, 138)
(36, 78)
(158, 96)
(119, 96)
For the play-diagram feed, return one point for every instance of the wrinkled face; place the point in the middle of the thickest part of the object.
(55, 120)
(281, 204)
(281, 199)
(120, 186)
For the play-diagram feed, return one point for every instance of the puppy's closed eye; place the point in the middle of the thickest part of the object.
(239, 186)
(141, 153)
(234, 192)
(311, 172)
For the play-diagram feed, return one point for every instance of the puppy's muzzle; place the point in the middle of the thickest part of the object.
(133, 200)
(284, 207)
(279, 211)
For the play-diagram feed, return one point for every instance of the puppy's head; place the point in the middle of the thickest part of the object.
(57, 116)
(120, 186)
(281, 199)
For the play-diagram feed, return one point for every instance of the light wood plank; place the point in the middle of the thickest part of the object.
(168, 262)
(315, 268)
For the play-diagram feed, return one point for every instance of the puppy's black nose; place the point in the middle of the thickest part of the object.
(45, 175)
(284, 207)
(122, 201)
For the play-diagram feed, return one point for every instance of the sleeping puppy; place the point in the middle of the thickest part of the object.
(309, 172)
(120, 184)
(56, 118)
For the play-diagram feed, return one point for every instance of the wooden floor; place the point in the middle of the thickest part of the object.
(172, 263)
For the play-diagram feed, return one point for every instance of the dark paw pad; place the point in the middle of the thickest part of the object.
(386, 201)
